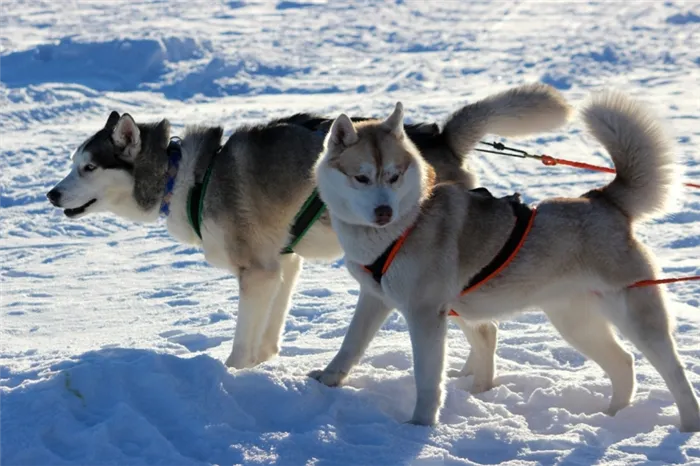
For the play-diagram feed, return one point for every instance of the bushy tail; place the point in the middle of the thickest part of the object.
(646, 174)
(519, 111)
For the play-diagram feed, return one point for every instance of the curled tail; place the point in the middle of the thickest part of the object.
(519, 111)
(646, 174)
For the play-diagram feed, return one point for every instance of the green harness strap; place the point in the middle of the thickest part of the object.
(195, 202)
(308, 214)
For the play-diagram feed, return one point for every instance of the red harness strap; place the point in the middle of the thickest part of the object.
(519, 234)
(379, 267)
(524, 221)
(524, 216)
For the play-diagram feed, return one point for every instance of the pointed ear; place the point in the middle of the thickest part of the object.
(126, 134)
(164, 126)
(343, 132)
(395, 121)
(112, 120)
(162, 133)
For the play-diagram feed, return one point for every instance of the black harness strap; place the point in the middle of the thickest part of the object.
(522, 213)
(308, 214)
(376, 267)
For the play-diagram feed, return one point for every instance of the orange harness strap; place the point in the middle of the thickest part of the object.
(394, 250)
(524, 219)
(639, 284)
(473, 285)
(379, 267)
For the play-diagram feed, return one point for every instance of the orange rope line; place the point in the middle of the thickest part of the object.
(551, 161)
(639, 284)
(662, 281)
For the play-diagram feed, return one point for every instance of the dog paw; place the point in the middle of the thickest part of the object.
(481, 386)
(419, 421)
(612, 410)
(328, 378)
(690, 425)
(239, 360)
(267, 353)
(457, 373)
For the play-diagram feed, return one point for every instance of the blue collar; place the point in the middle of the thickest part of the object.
(174, 157)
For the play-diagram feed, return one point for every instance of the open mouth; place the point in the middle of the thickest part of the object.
(78, 210)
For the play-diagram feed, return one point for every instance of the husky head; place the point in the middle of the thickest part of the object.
(371, 173)
(120, 169)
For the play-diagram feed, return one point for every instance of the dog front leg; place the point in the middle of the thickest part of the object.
(427, 327)
(258, 286)
(370, 314)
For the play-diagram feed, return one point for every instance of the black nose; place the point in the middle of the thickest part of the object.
(382, 214)
(54, 196)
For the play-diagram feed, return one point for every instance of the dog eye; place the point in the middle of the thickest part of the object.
(362, 179)
(89, 167)
(393, 179)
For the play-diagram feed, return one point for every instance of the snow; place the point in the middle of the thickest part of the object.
(113, 335)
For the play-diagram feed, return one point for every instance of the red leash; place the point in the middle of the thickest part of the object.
(551, 161)
(662, 281)
(502, 149)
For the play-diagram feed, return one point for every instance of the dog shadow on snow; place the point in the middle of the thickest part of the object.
(193, 410)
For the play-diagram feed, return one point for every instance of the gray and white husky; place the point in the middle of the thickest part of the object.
(259, 180)
(576, 264)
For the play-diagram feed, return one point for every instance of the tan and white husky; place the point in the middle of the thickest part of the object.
(576, 263)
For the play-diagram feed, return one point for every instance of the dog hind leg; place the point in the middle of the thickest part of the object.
(581, 324)
(269, 346)
(481, 361)
(258, 286)
(640, 314)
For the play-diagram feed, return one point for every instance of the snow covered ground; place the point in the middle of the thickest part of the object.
(113, 336)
